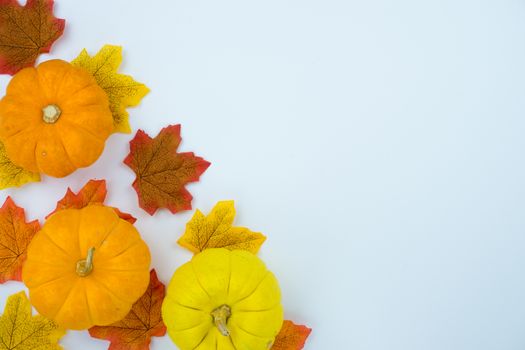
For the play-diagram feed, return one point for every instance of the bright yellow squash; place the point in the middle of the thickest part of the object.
(86, 267)
(54, 119)
(223, 300)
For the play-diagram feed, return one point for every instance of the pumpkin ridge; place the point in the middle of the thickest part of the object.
(62, 79)
(90, 84)
(229, 278)
(254, 290)
(88, 308)
(185, 306)
(110, 231)
(4, 140)
(236, 325)
(37, 161)
(77, 241)
(34, 128)
(36, 80)
(108, 259)
(48, 236)
(101, 268)
(77, 280)
(132, 300)
(61, 138)
(198, 280)
(202, 340)
(42, 81)
(73, 123)
(46, 263)
(276, 305)
(233, 343)
(189, 328)
(34, 162)
(36, 286)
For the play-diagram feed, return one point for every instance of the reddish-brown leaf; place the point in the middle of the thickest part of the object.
(125, 216)
(144, 321)
(94, 191)
(15, 235)
(161, 172)
(26, 32)
(291, 337)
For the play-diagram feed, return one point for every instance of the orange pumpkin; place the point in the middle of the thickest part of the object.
(54, 119)
(86, 267)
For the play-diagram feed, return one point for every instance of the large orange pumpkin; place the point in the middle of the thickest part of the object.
(54, 119)
(86, 267)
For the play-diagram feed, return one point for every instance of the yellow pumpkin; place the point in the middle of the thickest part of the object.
(86, 267)
(54, 118)
(223, 300)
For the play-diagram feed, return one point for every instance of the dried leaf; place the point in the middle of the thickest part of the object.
(216, 231)
(26, 32)
(15, 235)
(144, 321)
(291, 337)
(93, 192)
(123, 91)
(11, 175)
(19, 329)
(161, 172)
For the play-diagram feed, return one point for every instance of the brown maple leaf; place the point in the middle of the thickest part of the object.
(26, 32)
(291, 337)
(144, 321)
(15, 235)
(161, 172)
(94, 192)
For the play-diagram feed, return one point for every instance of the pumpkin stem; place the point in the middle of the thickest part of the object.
(51, 113)
(85, 266)
(220, 318)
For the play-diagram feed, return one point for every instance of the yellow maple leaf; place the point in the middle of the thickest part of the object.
(123, 91)
(19, 329)
(11, 175)
(216, 231)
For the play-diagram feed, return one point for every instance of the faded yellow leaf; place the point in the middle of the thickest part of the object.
(11, 175)
(216, 231)
(19, 329)
(123, 91)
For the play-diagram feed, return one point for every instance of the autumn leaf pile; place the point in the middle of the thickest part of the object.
(162, 173)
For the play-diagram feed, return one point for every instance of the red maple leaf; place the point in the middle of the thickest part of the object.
(161, 172)
(26, 32)
(144, 321)
(94, 191)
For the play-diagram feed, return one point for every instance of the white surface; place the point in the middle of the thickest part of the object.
(378, 144)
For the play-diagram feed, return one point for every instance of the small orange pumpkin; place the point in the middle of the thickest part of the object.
(54, 119)
(86, 267)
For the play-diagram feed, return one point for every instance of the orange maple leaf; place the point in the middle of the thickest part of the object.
(15, 235)
(26, 32)
(94, 191)
(291, 337)
(144, 321)
(161, 172)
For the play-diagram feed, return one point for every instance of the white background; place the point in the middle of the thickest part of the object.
(378, 144)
